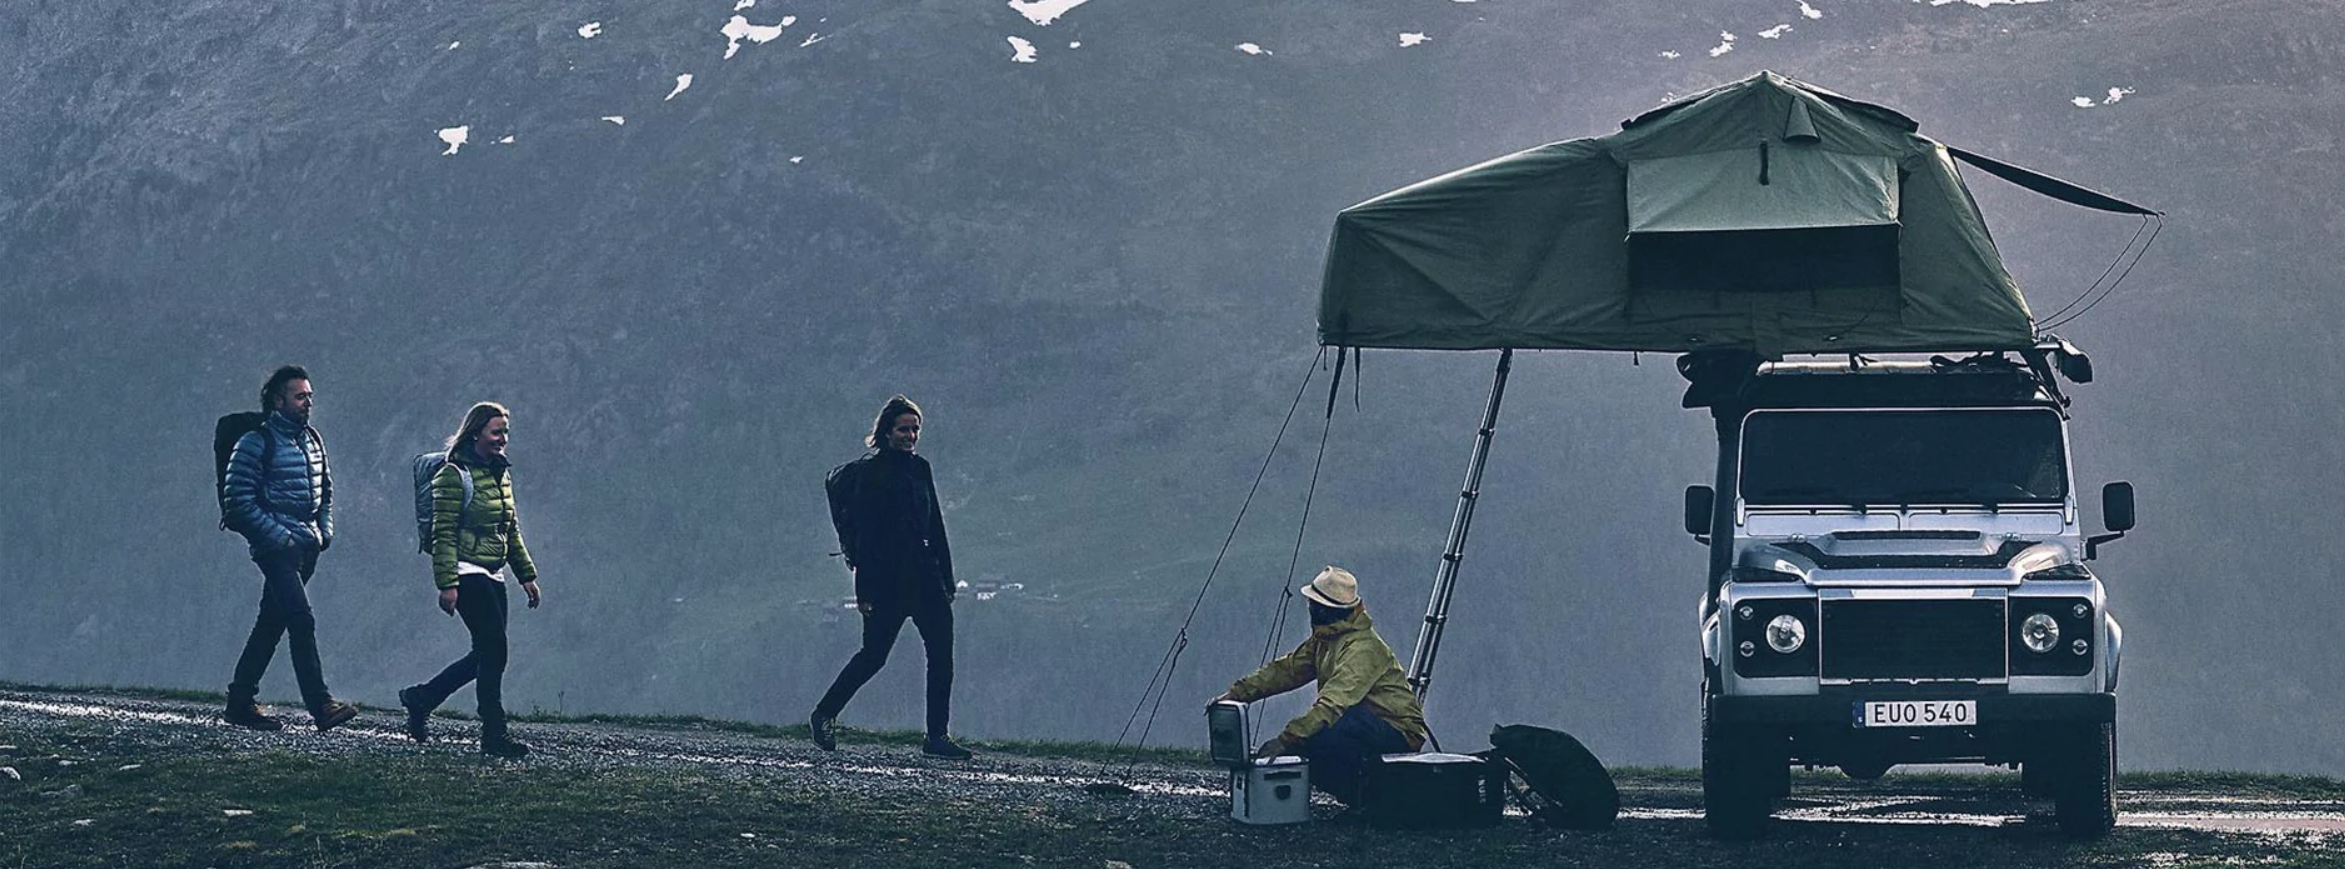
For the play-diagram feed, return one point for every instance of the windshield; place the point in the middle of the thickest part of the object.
(1863, 457)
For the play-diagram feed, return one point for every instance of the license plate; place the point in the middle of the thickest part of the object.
(1917, 713)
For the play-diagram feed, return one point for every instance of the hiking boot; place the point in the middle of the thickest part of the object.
(249, 716)
(504, 746)
(944, 747)
(819, 726)
(419, 717)
(334, 713)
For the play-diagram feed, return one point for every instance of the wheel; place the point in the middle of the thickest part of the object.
(2086, 799)
(1738, 780)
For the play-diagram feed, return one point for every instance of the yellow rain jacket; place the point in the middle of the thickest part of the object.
(1353, 666)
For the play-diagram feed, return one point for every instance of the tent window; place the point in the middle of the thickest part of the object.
(1821, 220)
(1765, 260)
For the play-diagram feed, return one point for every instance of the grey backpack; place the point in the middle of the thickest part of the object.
(427, 466)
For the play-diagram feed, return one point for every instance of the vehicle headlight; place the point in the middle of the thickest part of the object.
(1785, 634)
(2039, 633)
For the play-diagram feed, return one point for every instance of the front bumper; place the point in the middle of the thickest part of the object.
(1835, 708)
(1820, 729)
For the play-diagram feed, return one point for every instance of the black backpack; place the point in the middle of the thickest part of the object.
(841, 486)
(225, 434)
(1574, 791)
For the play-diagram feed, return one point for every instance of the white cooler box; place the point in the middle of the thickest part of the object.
(1273, 790)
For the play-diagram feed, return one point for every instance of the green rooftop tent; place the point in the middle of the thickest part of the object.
(1763, 217)
(1767, 215)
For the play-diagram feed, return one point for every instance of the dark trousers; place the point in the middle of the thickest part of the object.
(933, 615)
(284, 613)
(481, 602)
(1340, 754)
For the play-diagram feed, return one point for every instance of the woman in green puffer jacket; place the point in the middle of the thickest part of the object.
(475, 537)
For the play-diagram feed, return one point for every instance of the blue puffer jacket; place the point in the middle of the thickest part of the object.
(279, 494)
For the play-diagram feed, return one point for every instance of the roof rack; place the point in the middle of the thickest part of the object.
(1728, 379)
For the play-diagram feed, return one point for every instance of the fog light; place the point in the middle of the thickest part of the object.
(2079, 647)
(1747, 648)
(1785, 634)
(2039, 633)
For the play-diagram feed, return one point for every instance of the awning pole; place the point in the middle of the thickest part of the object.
(1445, 578)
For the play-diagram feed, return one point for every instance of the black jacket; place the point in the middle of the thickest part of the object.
(892, 529)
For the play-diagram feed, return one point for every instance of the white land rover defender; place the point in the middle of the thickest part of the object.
(1898, 575)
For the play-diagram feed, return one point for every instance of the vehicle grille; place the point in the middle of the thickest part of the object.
(1912, 639)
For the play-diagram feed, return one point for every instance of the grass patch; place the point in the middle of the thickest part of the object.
(451, 810)
(2301, 787)
(182, 694)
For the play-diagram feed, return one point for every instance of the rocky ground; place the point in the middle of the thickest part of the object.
(103, 779)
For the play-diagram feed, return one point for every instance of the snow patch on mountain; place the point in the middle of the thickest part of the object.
(1043, 12)
(739, 28)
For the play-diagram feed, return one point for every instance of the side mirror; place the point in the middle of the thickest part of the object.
(2117, 506)
(1700, 502)
(2116, 512)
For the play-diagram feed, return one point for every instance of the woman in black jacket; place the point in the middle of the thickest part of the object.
(892, 531)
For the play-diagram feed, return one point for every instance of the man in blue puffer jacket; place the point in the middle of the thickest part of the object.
(280, 496)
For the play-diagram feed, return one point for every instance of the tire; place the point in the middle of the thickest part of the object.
(2086, 802)
(1738, 787)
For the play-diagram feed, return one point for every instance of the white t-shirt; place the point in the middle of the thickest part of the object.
(466, 568)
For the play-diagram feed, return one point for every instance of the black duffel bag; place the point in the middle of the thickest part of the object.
(1433, 790)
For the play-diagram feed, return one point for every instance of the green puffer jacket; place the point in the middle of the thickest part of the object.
(487, 533)
(1352, 665)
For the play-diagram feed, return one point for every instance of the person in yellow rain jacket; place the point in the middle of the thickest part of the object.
(1364, 708)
